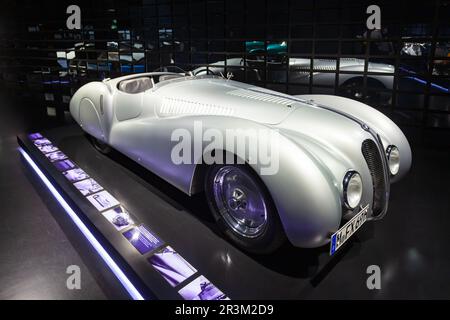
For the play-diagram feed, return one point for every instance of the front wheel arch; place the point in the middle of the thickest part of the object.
(198, 176)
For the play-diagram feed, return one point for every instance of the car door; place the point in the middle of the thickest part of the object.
(127, 105)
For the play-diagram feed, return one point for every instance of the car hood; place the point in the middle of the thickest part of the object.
(332, 140)
(330, 131)
(320, 128)
(216, 96)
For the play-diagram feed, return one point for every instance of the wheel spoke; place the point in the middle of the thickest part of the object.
(240, 201)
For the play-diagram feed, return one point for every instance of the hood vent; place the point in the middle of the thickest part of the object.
(264, 97)
(176, 107)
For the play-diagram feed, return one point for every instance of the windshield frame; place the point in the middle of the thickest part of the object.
(185, 78)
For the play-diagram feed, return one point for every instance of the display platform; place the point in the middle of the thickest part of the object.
(160, 243)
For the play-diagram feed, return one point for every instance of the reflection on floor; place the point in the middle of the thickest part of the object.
(36, 245)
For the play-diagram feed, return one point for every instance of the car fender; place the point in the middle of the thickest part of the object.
(388, 131)
(303, 189)
(91, 108)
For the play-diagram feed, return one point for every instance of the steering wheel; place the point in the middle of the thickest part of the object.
(206, 71)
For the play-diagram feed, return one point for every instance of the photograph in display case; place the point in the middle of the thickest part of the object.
(143, 239)
(47, 148)
(34, 136)
(41, 142)
(88, 186)
(103, 200)
(119, 217)
(202, 289)
(64, 165)
(171, 265)
(75, 175)
(56, 156)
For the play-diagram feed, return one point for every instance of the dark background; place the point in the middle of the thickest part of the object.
(42, 62)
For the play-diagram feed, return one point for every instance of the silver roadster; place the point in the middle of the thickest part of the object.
(336, 157)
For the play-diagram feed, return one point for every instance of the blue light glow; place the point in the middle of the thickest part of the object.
(131, 289)
(434, 85)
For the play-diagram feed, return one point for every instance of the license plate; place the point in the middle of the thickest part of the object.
(344, 233)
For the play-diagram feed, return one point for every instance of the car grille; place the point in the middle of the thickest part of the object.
(375, 164)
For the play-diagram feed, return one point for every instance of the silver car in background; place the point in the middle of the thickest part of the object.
(380, 76)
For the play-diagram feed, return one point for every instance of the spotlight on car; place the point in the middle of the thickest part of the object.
(352, 187)
(393, 156)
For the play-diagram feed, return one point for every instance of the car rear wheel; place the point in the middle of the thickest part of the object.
(353, 89)
(375, 96)
(243, 208)
(100, 145)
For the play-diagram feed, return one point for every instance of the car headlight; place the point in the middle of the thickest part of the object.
(393, 156)
(352, 187)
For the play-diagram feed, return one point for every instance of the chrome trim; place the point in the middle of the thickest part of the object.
(388, 154)
(348, 175)
(102, 112)
(240, 202)
(387, 175)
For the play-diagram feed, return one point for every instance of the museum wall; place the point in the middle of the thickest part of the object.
(296, 47)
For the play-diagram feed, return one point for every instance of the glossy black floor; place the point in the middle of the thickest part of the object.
(409, 245)
(37, 242)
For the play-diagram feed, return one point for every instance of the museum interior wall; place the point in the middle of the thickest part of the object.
(296, 47)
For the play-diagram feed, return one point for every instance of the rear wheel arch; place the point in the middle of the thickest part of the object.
(91, 107)
(100, 145)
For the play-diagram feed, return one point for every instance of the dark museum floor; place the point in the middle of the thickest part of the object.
(34, 249)
(38, 242)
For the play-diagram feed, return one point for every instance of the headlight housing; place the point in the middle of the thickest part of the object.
(352, 188)
(393, 156)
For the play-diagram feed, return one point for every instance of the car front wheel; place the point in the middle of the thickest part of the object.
(100, 145)
(243, 208)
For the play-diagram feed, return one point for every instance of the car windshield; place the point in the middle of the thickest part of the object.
(136, 85)
(185, 78)
(173, 69)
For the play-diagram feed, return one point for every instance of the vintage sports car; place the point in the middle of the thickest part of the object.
(337, 157)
